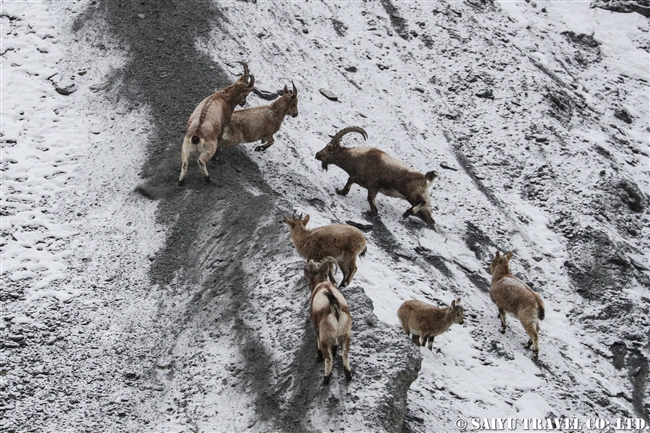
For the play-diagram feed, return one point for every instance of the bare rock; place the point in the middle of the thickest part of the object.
(329, 95)
(445, 165)
(624, 6)
(361, 225)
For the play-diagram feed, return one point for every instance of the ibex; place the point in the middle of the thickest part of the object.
(425, 322)
(205, 127)
(260, 123)
(513, 296)
(341, 241)
(377, 172)
(330, 316)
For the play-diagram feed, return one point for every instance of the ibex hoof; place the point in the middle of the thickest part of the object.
(326, 379)
(348, 374)
(535, 354)
(341, 192)
(260, 149)
(435, 228)
(207, 179)
(407, 214)
(181, 182)
(502, 330)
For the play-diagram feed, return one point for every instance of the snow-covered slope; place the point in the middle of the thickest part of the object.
(534, 114)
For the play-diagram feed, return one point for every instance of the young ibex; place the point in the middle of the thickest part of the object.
(260, 123)
(205, 127)
(330, 316)
(341, 241)
(377, 172)
(513, 296)
(425, 321)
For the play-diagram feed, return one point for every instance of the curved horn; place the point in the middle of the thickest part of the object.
(342, 132)
(327, 261)
(251, 82)
(245, 67)
(295, 91)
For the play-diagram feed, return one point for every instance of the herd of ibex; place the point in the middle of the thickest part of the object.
(215, 124)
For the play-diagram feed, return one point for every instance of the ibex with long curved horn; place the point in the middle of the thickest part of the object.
(260, 123)
(206, 124)
(380, 173)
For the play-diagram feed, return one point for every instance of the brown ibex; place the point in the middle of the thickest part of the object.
(330, 316)
(341, 241)
(425, 321)
(205, 126)
(260, 123)
(378, 172)
(513, 296)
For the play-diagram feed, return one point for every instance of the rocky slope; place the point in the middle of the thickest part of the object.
(184, 309)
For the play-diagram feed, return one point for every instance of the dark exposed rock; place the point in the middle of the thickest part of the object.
(595, 266)
(65, 91)
(486, 94)
(264, 94)
(582, 39)
(366, 227)
(481, 4)
(437, 261)
(397, 22)
(329, 95)
(623, 115)
(428, 40)
(339, 27)
(625, 6)
(562, 104)
(479, 243)
(447, 166)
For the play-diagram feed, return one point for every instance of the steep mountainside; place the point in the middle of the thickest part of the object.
(186, 308)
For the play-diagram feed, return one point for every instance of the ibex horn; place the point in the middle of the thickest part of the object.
(245, 67)
(342, 132)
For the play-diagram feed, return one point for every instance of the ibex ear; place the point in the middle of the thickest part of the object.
(453, 304)
(458, 301)
(497, 255)
(290, 222)
(306, 220)
(509, 255)
(286, 89)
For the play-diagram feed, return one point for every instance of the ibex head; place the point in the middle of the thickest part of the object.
(292, 109)
(297, 222)
(317, 273)
(501, 263)
(327, 155)
(457, 312)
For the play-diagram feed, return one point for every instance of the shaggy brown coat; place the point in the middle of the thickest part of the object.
(330, 316)
(205, 126)
(260, 123)
(378, 172)
(513, 296)
(425, 321)
(341, 241)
